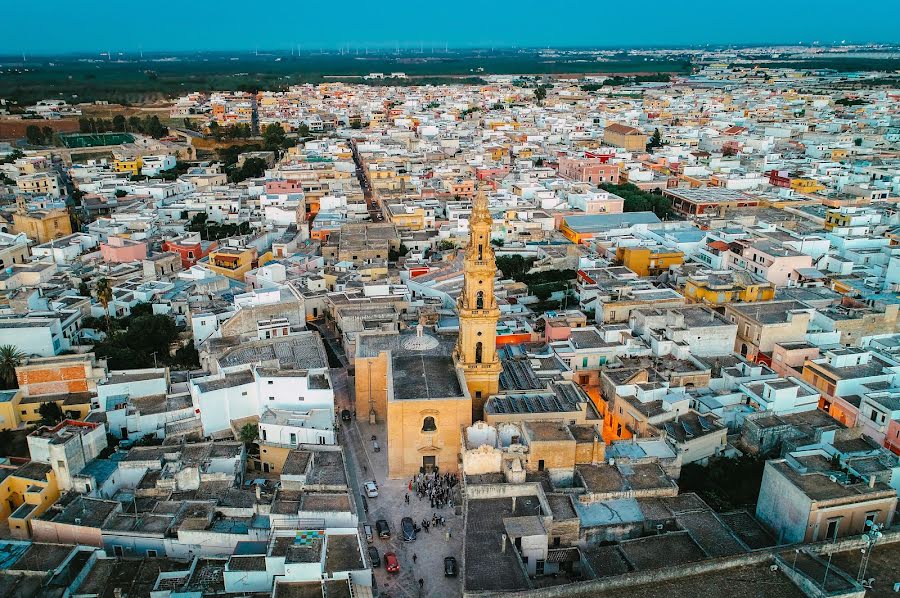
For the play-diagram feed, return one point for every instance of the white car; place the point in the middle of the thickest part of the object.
(371, 489)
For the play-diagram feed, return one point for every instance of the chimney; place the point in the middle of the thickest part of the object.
(502, 543)
(258, 491)
(872, 481)
(514, 504)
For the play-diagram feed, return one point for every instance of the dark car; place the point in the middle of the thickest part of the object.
(450, 569)
(408, 528)
(345, 415)
(374, 557)
(383, 529)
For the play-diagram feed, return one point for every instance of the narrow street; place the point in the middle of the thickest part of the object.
(374, 207)
(429, 547)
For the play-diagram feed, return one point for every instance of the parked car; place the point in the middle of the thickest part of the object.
(367, 529)
(345, 415)
(371, 489)
(391, 563)
(374, 557)
(408, 528)
(450, 568)
(383, 529)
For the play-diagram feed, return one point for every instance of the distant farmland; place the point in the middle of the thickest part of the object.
(145, 81)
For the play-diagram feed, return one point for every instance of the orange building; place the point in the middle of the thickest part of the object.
(645, 261)
(60, 374)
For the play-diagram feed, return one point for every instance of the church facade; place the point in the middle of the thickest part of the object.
(427, 387)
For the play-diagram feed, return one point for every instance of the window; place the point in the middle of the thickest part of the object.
(293, 438)
(428, 425)
(478, 352)
(870, 519)
(478, 396)
(541, 465)
(832, 531)
(271, 382)
(271, 398)
(117, 550)
(479, 300)
(151, 553)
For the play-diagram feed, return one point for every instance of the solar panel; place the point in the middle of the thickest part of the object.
(704, 423)
(688, 430)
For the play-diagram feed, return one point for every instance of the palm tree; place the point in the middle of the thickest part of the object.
(10, 359)
(104, 296)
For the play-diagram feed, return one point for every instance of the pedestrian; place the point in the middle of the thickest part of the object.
(448, 536)
(414, 558)
(421, 582)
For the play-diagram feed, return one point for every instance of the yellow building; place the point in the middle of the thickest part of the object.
(42, 226)
(429, 387)
(25, 493)
(645, 261)
(39, 183)
(9, 409)
(806, 185)
(719, 288)
(234, 262)
(476, 350)
(130, 165)
(629, 138)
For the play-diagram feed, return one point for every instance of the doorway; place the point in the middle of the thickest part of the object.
(429, 463)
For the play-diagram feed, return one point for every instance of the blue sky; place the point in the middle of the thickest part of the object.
(55, 26)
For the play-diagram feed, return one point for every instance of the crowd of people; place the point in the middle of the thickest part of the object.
(435, 488)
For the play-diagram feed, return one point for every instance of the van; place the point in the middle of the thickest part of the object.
(367, 529)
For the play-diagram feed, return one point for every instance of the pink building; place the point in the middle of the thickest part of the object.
(291, 186)
(589, 170)
(788, 357)
(558, 325)
(120, 250)
(768, 259)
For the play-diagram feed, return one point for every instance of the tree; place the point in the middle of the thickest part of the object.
(858, 141)
(655, 140)
(33, 135)
(274, 137)
(250, 169)
(497, 242)
(51, 413)
(303, 130)
(84, 290)
(121, 192)
(48, 134)
(7, 437)
(248, 433)
(540, 93)
(104, 296)
(119, 123)
(10, 359)
(445, 245)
